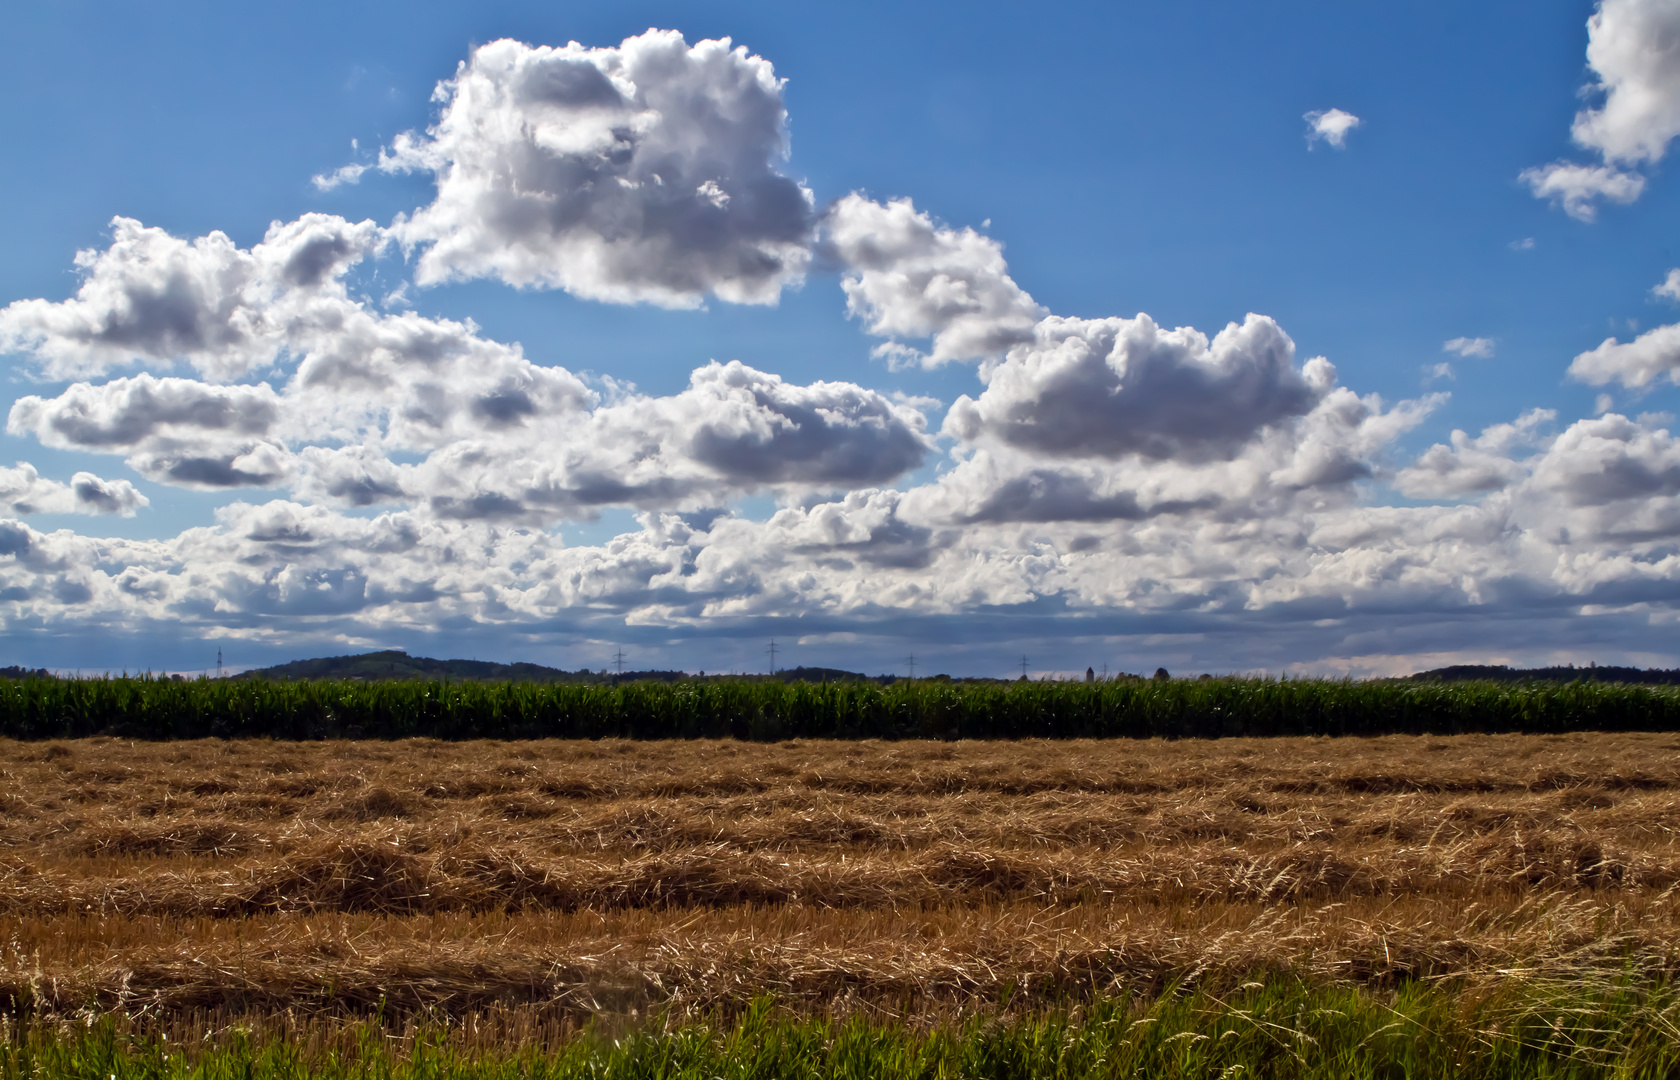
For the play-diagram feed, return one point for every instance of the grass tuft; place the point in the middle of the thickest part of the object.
(1275, 1029)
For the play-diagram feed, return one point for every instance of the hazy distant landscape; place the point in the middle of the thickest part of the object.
(395, 664)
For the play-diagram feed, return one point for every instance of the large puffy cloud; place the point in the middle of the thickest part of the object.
(646, 172)
(154, 297)
(1637, 363)
(1108, 387)
(1308, 464)
(1101, 420)
(908, 277)
(516, 444)
(174, 430)
(129, 412)
(1633, 48)
(402, 408)
(422, 383)
(751, 425)
(734, 430)
(1605, 488)
(1618, 479)
(1470, 466)
(23, 490)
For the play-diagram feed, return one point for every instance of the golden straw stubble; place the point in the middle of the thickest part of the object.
(546, 882)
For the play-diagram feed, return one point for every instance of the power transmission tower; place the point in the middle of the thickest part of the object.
(772, 650)
(618, 658)
(218, 663)
(1023, 665)
(912, 665)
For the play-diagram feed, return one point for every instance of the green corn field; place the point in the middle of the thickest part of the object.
(150, 708)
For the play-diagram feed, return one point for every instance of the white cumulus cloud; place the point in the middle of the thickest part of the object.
(23, 490)
(908, 277)
(646, 172)
(1471, 466)
(1330, 126)
(398, 408)
(174, 430)
(1633, 48)
(1647, 358)
(152, 297)
(1108, 387)
(1576, 187)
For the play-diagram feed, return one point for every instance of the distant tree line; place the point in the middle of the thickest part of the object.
(1563, 673)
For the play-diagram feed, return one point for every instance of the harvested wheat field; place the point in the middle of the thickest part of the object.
(536, 885)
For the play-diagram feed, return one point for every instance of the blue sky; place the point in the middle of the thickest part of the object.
(1137, 158)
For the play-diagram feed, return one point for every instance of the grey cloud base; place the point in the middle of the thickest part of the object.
(283, 571)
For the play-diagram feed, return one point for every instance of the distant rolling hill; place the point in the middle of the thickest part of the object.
(1568, 673)
(396, 665)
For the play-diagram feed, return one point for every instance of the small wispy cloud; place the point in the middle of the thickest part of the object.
(1525, 244)
(1469, 346)
(1330, 125)
(344, 174)
(1575, 187)
(1435, 372)
(1669, 287)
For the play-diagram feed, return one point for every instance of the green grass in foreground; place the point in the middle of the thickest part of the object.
(1276, 1030)
(144, 708)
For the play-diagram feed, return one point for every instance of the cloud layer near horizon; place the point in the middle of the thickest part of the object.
(399, 471)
